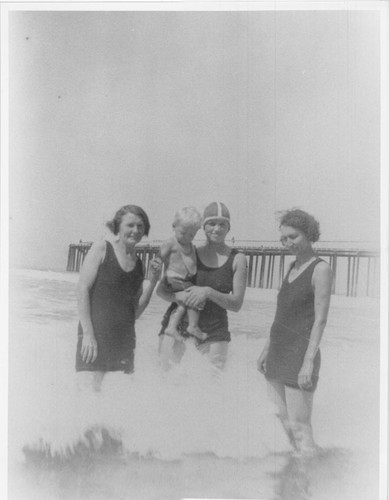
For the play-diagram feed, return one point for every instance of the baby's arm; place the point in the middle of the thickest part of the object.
(164, 254)
(165, 251)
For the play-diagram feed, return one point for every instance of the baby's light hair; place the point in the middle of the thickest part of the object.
(189, 216)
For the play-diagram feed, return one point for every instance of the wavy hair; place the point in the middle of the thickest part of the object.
(302, 221)
(114, 224)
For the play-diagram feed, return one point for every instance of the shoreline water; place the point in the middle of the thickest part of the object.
(179, 424)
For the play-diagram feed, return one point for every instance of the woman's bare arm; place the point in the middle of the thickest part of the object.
(322, 281)
(145, 294)
(88, 275)
(195, 296)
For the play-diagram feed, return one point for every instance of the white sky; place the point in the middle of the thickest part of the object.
(261, 110)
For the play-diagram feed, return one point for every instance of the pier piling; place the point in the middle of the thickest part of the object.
(355, 272)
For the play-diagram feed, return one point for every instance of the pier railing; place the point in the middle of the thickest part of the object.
(76, 255)
(355, 272)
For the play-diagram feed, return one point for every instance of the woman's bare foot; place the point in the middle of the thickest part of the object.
(308, 453)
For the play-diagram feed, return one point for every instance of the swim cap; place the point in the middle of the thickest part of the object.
(216, 210)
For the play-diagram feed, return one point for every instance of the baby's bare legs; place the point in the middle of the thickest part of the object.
(193, 329)
(174, 321)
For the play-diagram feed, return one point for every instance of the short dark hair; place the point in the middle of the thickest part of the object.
(114, 224)
(302, 221)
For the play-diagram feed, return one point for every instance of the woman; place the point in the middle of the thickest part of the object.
(111, 297)
(220, 285)
(290, 359)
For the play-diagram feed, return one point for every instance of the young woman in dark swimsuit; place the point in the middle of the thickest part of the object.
(111, 297)
(220, 285)
(290, 359)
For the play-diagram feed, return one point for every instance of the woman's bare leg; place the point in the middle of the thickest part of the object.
(276, 392)
(172, 352)
(299, 404)
(90, 380)
(216, 351)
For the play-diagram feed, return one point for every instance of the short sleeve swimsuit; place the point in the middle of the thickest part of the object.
(213, 318)
(291, 330)
(113, 302)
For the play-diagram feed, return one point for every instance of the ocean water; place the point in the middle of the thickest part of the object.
(173, 431)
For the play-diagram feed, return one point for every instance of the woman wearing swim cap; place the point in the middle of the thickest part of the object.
(220, 285)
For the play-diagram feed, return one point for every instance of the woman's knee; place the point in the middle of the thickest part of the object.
(276, 394)
(299, 405)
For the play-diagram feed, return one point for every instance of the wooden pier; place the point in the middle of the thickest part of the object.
(76, 255)
(356, 272)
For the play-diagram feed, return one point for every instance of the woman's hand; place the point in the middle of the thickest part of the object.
(194, 296)
(305, 376)
(261, 362)
(88, 348)
(179, 297)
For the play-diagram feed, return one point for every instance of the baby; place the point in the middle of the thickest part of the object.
(179, 256)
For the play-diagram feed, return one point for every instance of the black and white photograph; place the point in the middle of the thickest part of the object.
(194, 250)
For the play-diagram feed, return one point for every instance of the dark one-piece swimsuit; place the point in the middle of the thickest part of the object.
(213, 318)
(291, 330)
(113, 300)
